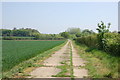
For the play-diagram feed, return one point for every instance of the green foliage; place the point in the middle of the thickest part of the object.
(5, 32)
(14, 52)
(73, 30)
(90, 40)
(20, 32)
(49, 37)
(104, 40)
(102, 29)
(17, 38)
(100, 64)
(28, 32)
(8, 38)
(37, 37)
(78, 35)
(65, 34)
(111, 42)
(87, 32)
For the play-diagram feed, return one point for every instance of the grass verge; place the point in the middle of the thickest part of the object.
(100, 64)
(71, 63)
(22, 70)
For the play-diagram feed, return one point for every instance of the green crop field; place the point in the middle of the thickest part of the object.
(15, 52)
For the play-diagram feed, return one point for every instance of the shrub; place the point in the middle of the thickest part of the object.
(8, 38)
(90, 40)
(111, 42)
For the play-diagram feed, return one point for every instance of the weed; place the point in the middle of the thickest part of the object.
(100, 64)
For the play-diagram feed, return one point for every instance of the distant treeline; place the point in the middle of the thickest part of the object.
(32, 34)
(27, 34)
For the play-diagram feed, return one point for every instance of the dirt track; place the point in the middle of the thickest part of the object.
(50, 64)
(77, 63)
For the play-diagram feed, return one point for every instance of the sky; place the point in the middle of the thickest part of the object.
(56, 17)
(119, 16)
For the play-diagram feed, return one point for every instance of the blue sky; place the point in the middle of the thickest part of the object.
(55, 17)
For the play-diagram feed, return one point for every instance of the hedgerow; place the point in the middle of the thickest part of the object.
(111, 42)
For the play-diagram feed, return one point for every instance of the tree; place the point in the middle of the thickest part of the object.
(65, 34)
(87, 32)
(102, 29)
(6, 32)
(78, 35)
(37, 37)
(73, 30)
(14, 28)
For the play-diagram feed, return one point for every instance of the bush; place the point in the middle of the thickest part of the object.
(90, 40)
(8, 38)
(111, 42)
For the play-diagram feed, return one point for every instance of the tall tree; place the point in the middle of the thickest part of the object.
(102, 29)
(65, 34)
(73, 30)
(87, 32)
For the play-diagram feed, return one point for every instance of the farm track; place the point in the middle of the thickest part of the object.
(63, 55)
(78, 62)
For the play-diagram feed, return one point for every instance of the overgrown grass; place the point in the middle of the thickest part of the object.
(100, 64)
(71, 63)
(21, 70)
(65, 67)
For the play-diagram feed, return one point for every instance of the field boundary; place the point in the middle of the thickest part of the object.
(20, 71)
(39, 40)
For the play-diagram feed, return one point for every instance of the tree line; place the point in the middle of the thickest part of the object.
(74, 32)
(28, 33)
